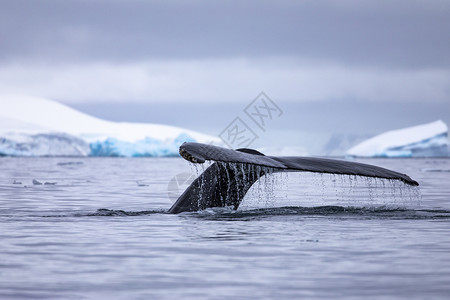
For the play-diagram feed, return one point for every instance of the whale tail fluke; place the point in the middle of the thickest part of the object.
(233, 172)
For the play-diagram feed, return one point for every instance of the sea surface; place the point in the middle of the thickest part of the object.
(97, 228)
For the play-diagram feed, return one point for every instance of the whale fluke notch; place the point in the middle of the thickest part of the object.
(233, 172)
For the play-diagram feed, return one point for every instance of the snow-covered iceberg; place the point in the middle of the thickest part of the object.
(32, 126)
(419, 141)
(42, 144)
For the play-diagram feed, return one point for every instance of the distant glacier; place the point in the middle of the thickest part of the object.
(32, 126)
(427, 140)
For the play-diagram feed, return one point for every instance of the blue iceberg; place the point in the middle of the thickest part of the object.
(43, 144)
(141, 148)
(32, 126)
(427, 140)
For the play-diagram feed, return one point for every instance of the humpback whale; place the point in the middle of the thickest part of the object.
(233, 172)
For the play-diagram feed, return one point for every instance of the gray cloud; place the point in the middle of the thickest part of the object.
(223, 80)
(387, 34)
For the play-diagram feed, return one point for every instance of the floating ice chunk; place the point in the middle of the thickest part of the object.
(419, 141)
(69, 163)
(36, 182)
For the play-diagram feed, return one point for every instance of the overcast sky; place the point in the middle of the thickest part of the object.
(225, 52)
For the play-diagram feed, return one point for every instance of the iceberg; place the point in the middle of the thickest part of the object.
(140, 148)
(425, 140)
(31, 126)
(42, 144)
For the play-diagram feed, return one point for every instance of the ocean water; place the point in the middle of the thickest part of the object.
(96, 228)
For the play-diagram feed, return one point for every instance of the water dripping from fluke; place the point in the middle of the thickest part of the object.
(233, 172)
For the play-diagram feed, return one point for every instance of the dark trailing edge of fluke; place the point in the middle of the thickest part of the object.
(233, 172)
